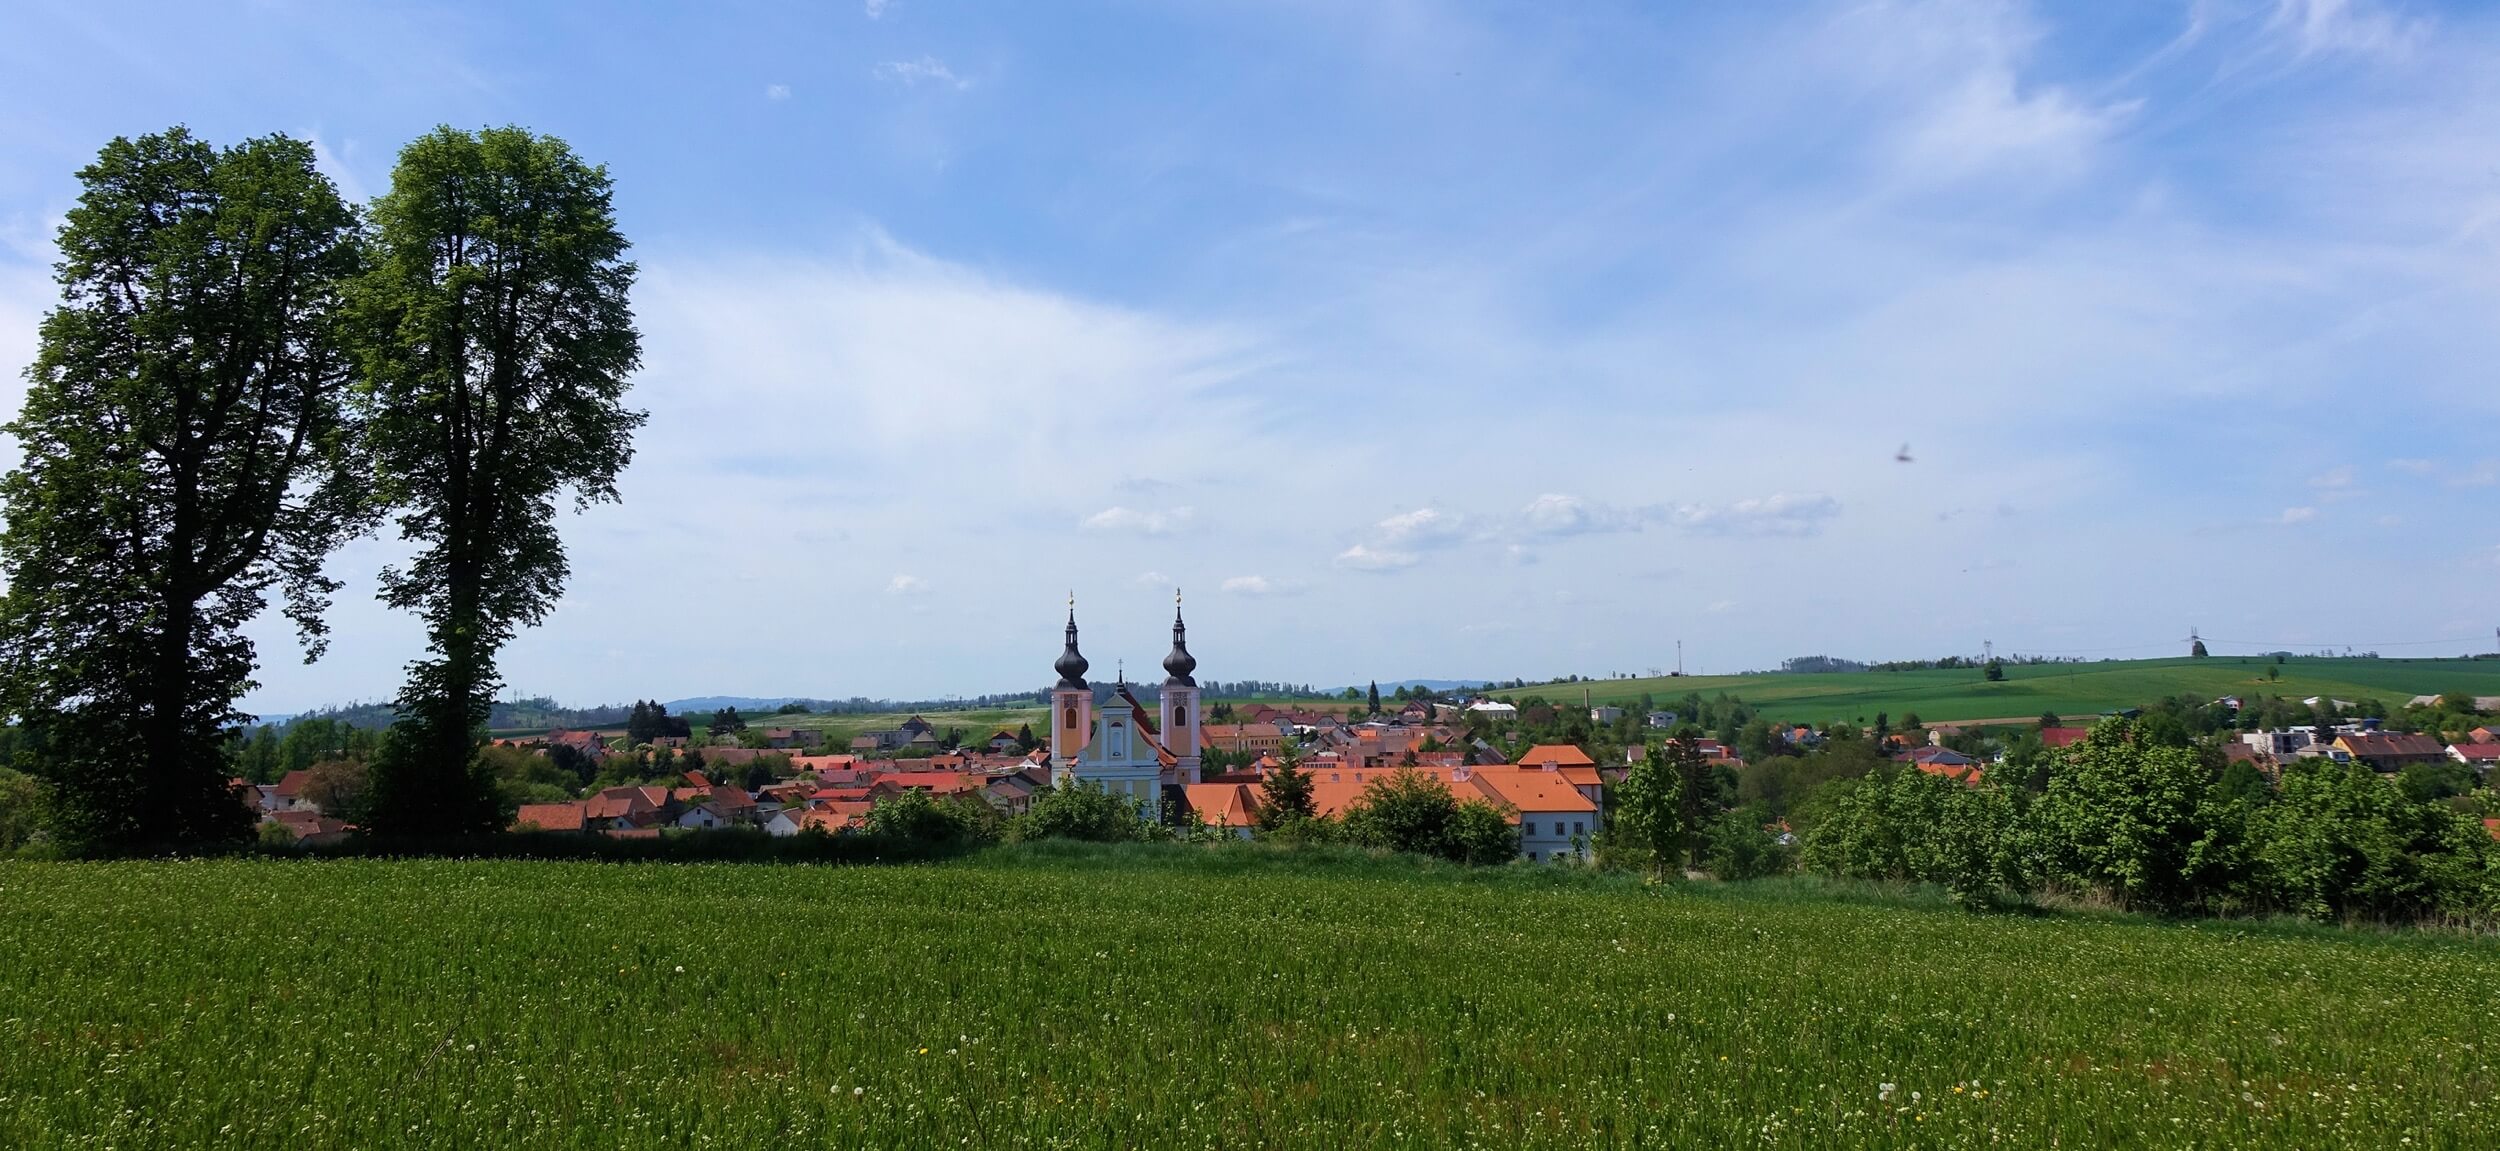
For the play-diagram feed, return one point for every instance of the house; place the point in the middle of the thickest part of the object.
(288, 794)
(1231, 806)
(2479, 756)
(311, 828)
(2492, 826)
(1012, 793)
(586, 743)
(2276, 744)
(2063, 736)
(1556, 821)
(551, 817)
(1605, 715)
(784, 737)
(1005, 742)
(2391, 752)
(1493, 709)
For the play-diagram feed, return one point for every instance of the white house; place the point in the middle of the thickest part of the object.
(1493, 709)
(1605, 714)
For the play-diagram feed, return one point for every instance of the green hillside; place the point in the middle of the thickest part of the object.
(2079, 689)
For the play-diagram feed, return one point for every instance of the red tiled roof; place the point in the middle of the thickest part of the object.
(551, 816)
(2062, 736)
(291, 785)
(2471, 752)
(1223, 804)
(1556, 755)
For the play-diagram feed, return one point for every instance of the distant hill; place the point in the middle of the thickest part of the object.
(1946, 695)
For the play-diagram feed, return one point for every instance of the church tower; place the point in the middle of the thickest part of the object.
(1071, 702)
(1180, 700)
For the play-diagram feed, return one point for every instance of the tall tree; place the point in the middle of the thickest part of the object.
(1373, 702)
(496, 341)
(180, 434)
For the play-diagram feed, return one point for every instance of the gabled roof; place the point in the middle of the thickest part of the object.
(2477, 752)
(1534, 792)
(1223, 804)
(550, 816)
(291, 785)
(2062, 736)
(1556, 754)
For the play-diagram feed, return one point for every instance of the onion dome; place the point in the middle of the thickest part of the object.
(1180, 663)
(1071, 666)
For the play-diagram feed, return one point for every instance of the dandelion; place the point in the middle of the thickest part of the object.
(1883, 1092)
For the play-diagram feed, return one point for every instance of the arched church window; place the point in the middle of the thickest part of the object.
(1180, 717)
(1070, 721)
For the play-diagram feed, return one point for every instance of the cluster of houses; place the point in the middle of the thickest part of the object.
(2358, 741)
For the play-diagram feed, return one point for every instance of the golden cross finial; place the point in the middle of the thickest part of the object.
(1176, 597)
(1071, 599)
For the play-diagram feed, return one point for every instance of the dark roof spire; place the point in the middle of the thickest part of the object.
(1180, 663)
(1071, 666)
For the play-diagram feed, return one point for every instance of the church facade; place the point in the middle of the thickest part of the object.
(1115, 745)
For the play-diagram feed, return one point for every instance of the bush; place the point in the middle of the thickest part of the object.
(1406, 811)
(916, 817)
(1079, 810)
(1482, 834)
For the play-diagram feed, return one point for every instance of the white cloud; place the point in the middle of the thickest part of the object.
(1421, 528)
(1134, 522)
(1153, 579)
(876, 8)
(2333, 478)
(1361, 557)
(927, 69)
(906, 585)
(776, 92)
(2297, 516)
(1780, 514)
(1561, 515)
(2414, 467)
(1256, 586)
(2325, 27)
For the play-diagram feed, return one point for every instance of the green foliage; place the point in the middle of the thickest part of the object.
(1285, 795)
(2126, 815)
(1406, 811)
(21, 809)
(179, 440)
(2340, 843)
(1078, 810)
(495, 340)
(1742, 846)
(1907, 825)
(917, 817)
(1482, 835)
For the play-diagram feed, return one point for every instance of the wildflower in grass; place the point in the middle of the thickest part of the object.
(1883, 1092)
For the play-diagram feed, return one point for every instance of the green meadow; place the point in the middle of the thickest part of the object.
(1178, 997)
(2071, 689)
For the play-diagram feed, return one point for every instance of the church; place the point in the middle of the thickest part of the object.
(1114, 745)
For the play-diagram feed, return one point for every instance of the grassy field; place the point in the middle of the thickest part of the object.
(2080, 689)
(1179, 998)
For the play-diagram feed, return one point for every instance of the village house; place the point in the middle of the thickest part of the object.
(2391, 752)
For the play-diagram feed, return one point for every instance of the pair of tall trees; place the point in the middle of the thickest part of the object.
(242, 375)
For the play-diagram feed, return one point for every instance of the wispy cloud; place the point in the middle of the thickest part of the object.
(1780, 514)
(2361, 27)
(906, 585)
(876, 8)
(925, 70)
(776, 92)
(1362, 557)
(1132, 521)
(2333, 478)
(1255, 586)
(2300, 515)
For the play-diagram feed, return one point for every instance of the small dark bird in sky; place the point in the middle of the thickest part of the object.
(1903, 455)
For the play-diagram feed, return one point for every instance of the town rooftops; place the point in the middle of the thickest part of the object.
(550, 816)
(1556, 755)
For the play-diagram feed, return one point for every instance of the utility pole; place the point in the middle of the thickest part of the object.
(1679, 657)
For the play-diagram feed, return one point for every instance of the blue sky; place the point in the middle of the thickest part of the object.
(1417, 339)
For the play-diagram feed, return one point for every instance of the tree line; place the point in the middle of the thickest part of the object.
(244, 372)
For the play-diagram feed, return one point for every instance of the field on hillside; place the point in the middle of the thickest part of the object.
(1172, 998)
(2077, 689)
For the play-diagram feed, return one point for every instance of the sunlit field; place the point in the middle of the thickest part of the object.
(1175, 997)
(2072, 690)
